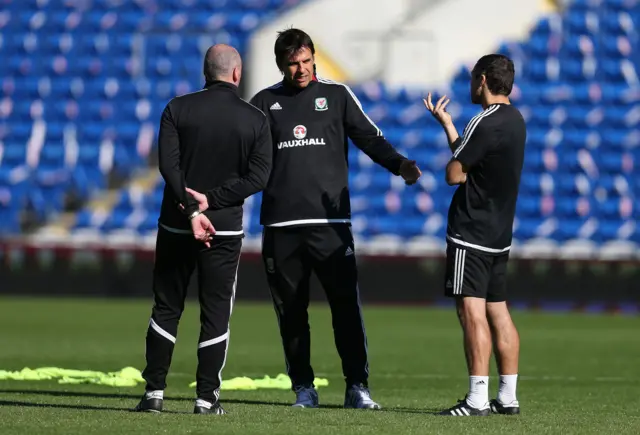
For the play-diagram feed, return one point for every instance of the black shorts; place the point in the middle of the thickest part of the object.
(471, 273)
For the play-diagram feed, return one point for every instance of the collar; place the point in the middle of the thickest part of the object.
(220, 84)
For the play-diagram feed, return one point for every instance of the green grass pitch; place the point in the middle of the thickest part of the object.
(579, 373)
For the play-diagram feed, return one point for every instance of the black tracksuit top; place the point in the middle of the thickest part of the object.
(215, 143)
(310, 129)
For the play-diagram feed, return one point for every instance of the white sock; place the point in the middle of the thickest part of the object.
(156, 394)
(478, 391)
(507, 389)
(203, 404)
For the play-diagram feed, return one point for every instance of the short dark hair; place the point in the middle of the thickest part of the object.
(291, 41)
(499, 71)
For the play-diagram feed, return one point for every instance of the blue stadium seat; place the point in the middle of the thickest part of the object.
(531, 184)
(527, 229)
(150, 223)
(52, 155)
(621, 5)
(609, 230)
(614, 23)
(586, 5)
(117, 219)
(531, 207)
(571, 185)
(618, 47)
(579, 120)
(576, 71)
(569, 230)
(51, 184)
(14, 154)
(577, 22)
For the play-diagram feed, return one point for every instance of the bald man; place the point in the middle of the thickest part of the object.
(210, 141)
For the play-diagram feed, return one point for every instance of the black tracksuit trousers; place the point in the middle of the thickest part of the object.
(290, 254)
(177, 256)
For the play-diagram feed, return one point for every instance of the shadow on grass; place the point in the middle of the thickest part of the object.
(60, 406)
(133, 397)
(136, 397)
(425, 411)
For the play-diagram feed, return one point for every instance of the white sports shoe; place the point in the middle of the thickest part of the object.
(359, 397)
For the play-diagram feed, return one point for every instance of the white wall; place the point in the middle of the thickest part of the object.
(345, 30)
(427, 49)
(432, 46)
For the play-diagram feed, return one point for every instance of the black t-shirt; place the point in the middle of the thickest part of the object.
(483, 209)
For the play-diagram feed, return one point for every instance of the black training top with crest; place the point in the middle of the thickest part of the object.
(482, 210)
(310, 128)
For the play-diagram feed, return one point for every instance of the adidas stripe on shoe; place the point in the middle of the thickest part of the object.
(462, 409)
(205, 407)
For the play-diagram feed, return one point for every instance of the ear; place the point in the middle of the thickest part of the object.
(236, 75)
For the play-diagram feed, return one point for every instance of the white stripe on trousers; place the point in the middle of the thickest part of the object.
(162, 332)
(226, 348)
(458, 271)
(364, 331)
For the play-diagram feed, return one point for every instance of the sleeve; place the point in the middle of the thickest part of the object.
(366, 135)
(169, 162)
(475, 143)
(256, 177)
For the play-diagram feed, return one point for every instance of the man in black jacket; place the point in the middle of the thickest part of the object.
(212, 141)
(306, 212)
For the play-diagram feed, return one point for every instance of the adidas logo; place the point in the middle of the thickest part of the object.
(480, 383)
(275, 106)
(348, 252)
(449, 284)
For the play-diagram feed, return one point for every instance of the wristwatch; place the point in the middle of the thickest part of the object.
(194, 214)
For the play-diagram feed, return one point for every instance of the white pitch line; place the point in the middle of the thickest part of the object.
(520, 377)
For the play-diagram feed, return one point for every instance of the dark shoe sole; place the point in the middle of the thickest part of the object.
(153, 411)
(204, 411)
(496, 409)
(506, 411)
(372, 408)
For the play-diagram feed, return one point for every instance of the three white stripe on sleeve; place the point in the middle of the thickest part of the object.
(471, 127)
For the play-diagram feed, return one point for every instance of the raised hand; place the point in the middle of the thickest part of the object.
(439, 111)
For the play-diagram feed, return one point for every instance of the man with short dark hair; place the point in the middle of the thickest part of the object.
(487, 164)
(212, 141)
(306, 212)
